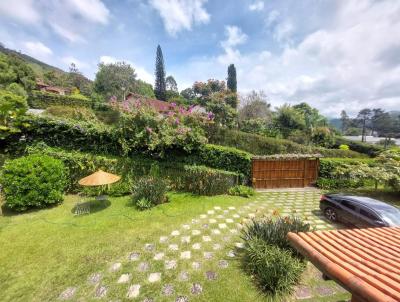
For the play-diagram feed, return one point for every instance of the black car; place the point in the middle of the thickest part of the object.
(359, 211)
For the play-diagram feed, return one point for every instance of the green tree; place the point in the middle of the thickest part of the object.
(143, 88)
(344, 118)
(231, 81)
(76, 79)
(15, 70)
(114, 79)
(255, 106)
(12, 108)
(171, 84)
(160, 86)
(288, 119)
(364, 116)
(188, 94)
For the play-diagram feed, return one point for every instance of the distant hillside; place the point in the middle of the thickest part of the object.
(336, 123)
(38, 67)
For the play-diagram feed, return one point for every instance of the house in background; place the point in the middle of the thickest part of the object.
(52, 89)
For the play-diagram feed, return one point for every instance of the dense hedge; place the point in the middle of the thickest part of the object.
(182, 177)
(369, 149)
(261, 145)
(42, 100)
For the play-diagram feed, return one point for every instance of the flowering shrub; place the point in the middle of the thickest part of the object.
(142, 128)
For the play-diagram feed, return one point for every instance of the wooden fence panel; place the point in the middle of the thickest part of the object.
(284, 173)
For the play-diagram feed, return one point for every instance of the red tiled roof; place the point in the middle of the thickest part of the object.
(364, 261)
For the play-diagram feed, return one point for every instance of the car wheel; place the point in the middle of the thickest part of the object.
(331, 214)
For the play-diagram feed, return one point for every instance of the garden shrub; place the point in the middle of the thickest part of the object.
(337, 183)
(368, 149)
(241, 190)
(144, 204)
(69, 112)
(273, 231)
(151, 188)
(42, 100)
(274, 269)
(33, 181)
(344, 147)
(329, 165)
(12, 109)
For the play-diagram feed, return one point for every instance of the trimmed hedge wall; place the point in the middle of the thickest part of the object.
(369, 149)
(261, 145)
(196, 179)
(41, 100)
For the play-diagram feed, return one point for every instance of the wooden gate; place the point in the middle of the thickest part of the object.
(268, 173)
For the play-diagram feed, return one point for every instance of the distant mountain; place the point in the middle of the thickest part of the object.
(336, 123)
(38, 67)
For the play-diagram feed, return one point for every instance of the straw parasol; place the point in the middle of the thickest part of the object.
(99, 178)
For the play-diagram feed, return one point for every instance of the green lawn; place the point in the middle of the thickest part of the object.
(44, 252)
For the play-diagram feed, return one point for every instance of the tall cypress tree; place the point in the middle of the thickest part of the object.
(231, 80)
(160, 85)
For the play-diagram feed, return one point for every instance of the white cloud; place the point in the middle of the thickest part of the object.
(350, 62)
(141, 72)
(37, 49)
(70, 19)
(234, 37)
(179, 15)
(67, 60)
(256, 6)
(23, 11)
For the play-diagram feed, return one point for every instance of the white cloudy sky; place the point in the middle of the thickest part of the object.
(334, 54)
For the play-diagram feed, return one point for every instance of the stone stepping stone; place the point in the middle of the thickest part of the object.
(229, 220)
(303, 292)
(149, 247)
(196, 232)
(324, 291)
(68, 293)
(226, 238)
(222, 226)
(205, 226)
(223, 264)
(183, 276)
(231, 208)
(101, 291)
(186, 227)
(233, 231)
(134, 256)
(203, 216)
(148, 300)
(94, 278)
(220, 216)
(196, 265)
(133, 291)
(212, 220)
(217, 208)
(236, 216)
(185, 239)
(154, 277)
(170, 264)
(211, 212)
(159, 256)
(196, 246)
(186, 255)
(231, 254)
(206, 238)
(226, 211)
(167, 290)
(143, 267)
(239, 245)
(182, 299)
(196, 289)
(216, 231)
(175, 233)
(115, 267)
(173, 247)
(210, 275)
(208, 255)
(124, 278)
(216, 246)
(163, 239)
(195, 221)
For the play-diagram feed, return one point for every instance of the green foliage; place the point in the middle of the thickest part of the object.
(338, 153)
(171, 84)
(142, 88)
(259, 126)
(323, 136)
(144, 204)
(231, 80)
(76, 113)
(160, 86)
(202, 180)
(42, 100)
(275, 270)
(12, 109)
(241, 190)
(14, 70)
(369, 149)
(273, 231)
(151, 188)
(34, 181)
(289, 119)
(114, 79)
(344, 147)
(17, 89)
(328, 166)
(337, 183)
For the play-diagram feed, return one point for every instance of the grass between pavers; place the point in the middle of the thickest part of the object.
(45, 251)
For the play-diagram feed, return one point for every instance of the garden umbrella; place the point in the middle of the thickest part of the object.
(99, 178)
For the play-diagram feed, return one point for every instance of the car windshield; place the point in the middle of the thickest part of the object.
(392, 216)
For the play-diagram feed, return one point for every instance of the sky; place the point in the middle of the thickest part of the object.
(332, 54)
